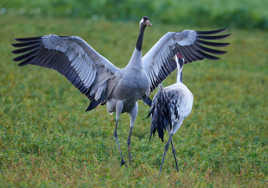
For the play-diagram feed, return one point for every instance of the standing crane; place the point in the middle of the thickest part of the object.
(104, 83)
(170, 106)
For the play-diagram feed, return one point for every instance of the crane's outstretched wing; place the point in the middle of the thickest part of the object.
(191, 45)
(71, 56)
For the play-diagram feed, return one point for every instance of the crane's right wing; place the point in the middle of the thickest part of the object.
(189, 44)
(73, 57)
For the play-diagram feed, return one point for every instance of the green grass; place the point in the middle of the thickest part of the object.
(241, 14)
(48, 140)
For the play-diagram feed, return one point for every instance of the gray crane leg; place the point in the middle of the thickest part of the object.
(119, 108)
(176, 126)
(165, 151)
(174, 155)
(133, 116)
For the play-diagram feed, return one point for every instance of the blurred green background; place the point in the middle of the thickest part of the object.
(240, 13)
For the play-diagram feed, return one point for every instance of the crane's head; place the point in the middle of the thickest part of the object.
(145, 21)
(179, 59)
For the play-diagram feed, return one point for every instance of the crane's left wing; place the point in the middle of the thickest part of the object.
(74, 58)
(191, 45)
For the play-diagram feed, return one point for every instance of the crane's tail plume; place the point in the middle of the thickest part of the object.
(160, 114)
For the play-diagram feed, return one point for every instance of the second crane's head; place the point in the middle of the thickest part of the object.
(145, 21)
(179, 59)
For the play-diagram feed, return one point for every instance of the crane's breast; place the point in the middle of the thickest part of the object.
(133, 84)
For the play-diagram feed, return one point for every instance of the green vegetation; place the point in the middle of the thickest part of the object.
(48, 140)
(242, 13)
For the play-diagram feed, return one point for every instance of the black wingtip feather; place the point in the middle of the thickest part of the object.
(93, 104)
(211, 31)
(208, 43)
(210, 50)
(28, 39)
(24, 56)
(208, 56)
(22, 50)
(25, 62)
(215, 37)
(23, 44)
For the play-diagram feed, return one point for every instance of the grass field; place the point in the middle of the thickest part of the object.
(241, 14)
(48, 140)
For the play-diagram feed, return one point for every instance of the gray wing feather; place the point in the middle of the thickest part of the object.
(84, 67)
(158, 62)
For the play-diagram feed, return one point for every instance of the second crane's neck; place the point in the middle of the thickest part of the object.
(179, 77)
(179, 72)
(140, 37)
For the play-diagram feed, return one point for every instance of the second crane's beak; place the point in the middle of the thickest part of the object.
(178, 58)
(148, 23)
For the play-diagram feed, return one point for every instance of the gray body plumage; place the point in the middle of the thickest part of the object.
(132, 85)
(104, 83)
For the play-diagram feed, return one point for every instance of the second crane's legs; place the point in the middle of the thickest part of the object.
(175, 127)
(174, 155)
(165, 151)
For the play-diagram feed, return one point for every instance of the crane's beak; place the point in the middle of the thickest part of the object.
(179, 59)
(148, 23)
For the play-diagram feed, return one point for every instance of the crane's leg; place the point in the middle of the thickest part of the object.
(165, 151)
(174, 155)
(175, 126)
(119, 108)
(133, 115)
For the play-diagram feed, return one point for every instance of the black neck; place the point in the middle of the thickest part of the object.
(181, 76)
(140, 37)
